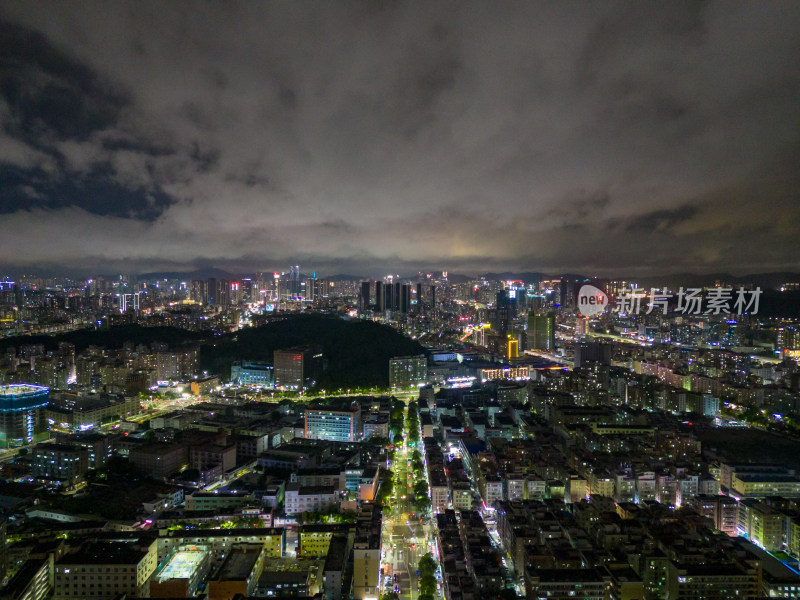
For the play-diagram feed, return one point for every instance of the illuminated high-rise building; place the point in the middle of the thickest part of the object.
(542, 332)
(294, 281)
(129, 302)
(512, 347)
(297, 368)
(199, 291)
(237, 292)
(21, 416)
(787, 339)
(408, 371)
(568, 290)
(340, 424)
(580, 327)
(503, 313)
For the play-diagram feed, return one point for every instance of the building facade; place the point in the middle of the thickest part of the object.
(408, 371)
(333, 425)
(21, 414)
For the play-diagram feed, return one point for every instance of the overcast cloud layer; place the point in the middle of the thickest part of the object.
(593, 137)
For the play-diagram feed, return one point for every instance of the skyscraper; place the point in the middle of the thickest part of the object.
(405, 297)
(364, 296)
(297, 368)
(380, 296)
(223, 292)
(311, 289)
(395, 296)
(502, 314)
(398, 297)
(199, 290)
(542, 332)
(129, 302)
(211, 292)
(294, 281)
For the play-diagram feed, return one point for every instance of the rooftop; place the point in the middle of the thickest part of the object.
(105, 553)
(767, 478)
(240, 562)
(18, 397)
(21, 389)
(209, 533)
(182, 565)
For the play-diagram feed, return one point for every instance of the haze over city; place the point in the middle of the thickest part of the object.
(368, 138)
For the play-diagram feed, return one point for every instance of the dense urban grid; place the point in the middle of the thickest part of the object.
(428, 437)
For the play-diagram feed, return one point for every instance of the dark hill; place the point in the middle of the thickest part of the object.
(357, 352)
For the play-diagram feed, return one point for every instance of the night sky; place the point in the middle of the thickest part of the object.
(600, 137)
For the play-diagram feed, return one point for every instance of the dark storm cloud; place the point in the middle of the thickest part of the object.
(603, 137)
(52, 99)
(660, 220)
(49, 94)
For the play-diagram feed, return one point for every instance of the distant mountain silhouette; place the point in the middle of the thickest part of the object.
(208, 273)
(345, 277)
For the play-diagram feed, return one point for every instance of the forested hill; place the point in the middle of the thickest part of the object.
(357, 352)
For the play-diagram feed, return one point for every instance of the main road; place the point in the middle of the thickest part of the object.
(407, 535)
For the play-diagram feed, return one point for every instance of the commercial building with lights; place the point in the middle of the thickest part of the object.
(69, 411)
(340, 424)
(252, 373)
(297, 368)
(299, 499)
(21, 418)
(542, 332)
(505, 373)
(408, 371)
(59, 462)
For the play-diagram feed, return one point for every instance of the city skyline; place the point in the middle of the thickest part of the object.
(605, 139)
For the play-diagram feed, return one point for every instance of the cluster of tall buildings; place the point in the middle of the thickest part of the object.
(396, 296)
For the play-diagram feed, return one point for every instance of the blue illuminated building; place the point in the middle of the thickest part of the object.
(21, 419)
(252, 373)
